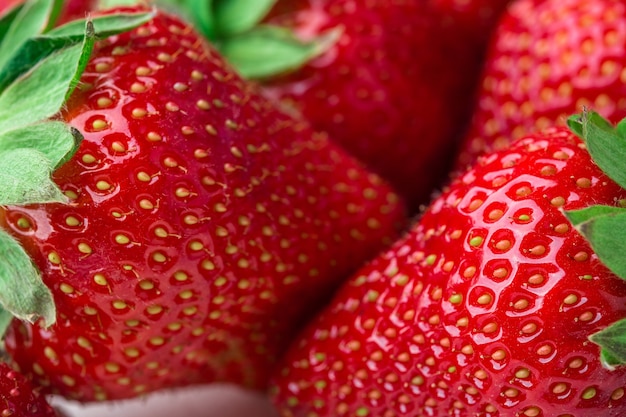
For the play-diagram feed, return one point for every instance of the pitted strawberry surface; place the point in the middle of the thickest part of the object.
(202, 225)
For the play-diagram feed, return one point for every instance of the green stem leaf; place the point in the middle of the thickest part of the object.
(232, 17)
(40, 93)
(612, 341)
(55, 139)
(271, 50)
(606, 144)
(39, 47)
(7, 18)
(25, 175)
(104, 26)
(6, 318)
(603, 227)
(201, 16)
(22, 291)
(33, 18)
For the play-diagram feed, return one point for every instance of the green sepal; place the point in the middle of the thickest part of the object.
(40, 93)
(7, 18)
(6, 317)
(34, 18)
(57, 140)
(612, 341)
(606, 144)
(39, 47)
(575, 124)
(25, 175)
(603, 227)
(200, 13)
(104, 26)
(22, 291)
(272, 50)
(256, 50)
(233, 17)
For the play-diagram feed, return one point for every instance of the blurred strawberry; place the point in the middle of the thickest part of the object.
(548, 59)
(18, 397)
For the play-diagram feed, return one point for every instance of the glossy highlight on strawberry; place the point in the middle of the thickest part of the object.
(202, 226)
(484, 309)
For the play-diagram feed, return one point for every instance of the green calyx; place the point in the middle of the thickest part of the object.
(255, 49)
(603, 226)
(40, 66)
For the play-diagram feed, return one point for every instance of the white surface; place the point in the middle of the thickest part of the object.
(212, 401)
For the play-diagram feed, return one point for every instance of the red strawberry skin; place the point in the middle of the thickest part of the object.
(390, 90)
(203, 225)
(18, 397)
(548, 59)
(484, 309)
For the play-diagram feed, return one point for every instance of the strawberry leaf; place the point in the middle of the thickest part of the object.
(233, 17)
(40, 93)
(601, 226)
(57, 140)
(6, 317)
(39, 47)
(255, 50)
(7, 18)
(612, 340)
(33, 18)
(104, 26)
(606, 144)
(25, 178)
(269, 50)
(22, 291)
(202, 17)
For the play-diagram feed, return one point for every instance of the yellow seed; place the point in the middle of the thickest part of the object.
(103, 185)
(132, 352)
(159, 257)
(88, 158)
(99, 125)
(154, 309)
(146, 284)
(100, 279)
(121, 239)
(153, 137)
(66, 288)
(54, 258)
(84, 248)
(181, 276)
(185, 295)
(138, 113)
(484, 299)
(112, 367)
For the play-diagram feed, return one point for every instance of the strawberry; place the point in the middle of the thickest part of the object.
(484, 309)
(548, 59)
(381, 77)
(18, 396)
(197, 225)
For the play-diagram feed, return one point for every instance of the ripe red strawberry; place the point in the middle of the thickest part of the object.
(202, 225)
(548, 59)
(18, 397)
(390, 90)
(484, 309)
(381, 77)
